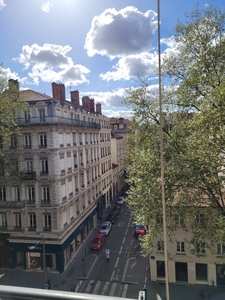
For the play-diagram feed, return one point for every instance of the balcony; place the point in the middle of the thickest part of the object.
(57, 120)
(30, 202)
(12, 204)
(29, 176)
(45, 202)
(27, 146)
(42, 146)
(44, 173)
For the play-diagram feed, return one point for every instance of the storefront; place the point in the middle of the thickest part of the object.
(57, 256)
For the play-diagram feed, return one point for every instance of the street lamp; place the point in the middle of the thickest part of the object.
(44, 259)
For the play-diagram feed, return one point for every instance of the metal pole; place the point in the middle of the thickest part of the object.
(44, 260)
(162, 160)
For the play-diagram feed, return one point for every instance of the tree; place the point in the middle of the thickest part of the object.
(11, 103)
(194, 136)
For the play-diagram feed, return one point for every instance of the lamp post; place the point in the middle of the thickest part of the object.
(44, 258)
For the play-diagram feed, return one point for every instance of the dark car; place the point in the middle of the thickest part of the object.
(112, 217)
(139, 230)
(116, 209)
(98, 241)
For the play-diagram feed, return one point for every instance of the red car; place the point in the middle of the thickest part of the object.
(140, 230)
(98, 241)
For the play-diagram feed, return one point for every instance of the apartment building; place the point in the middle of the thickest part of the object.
(64, 153)
(184, 266)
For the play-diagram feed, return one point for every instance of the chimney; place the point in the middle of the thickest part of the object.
(92, 105)
(99, 108)
(75, 98)
(13, 85)
(86, 103)
(58, 91)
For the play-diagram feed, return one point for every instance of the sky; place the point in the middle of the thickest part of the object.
(98, 47)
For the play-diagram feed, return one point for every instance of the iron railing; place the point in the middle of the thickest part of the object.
(12, 292)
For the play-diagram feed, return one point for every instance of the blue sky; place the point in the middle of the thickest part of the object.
(98, 47)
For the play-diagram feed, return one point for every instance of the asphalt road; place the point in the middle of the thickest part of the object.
(126, 272)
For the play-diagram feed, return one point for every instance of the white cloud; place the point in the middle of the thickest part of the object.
(120, 33)
(46, 7)
(2, 4)
(50, 63)
(135, 65)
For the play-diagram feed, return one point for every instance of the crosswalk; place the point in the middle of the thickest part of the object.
(98, 287)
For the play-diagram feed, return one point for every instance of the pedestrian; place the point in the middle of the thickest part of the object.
(107, 254)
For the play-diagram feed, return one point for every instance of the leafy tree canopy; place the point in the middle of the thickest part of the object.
(194, 136)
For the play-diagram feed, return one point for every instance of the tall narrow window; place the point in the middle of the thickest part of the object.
(45, 194)
(2, 194)
(27, 116)
(44, 166)
(47, 221)
(32, 221)
(16, 193)
(42, 115)
(43, 141)
(27, 141)
(29, 166)
(13, 142)
(18, 221)
(3, 220)
(30, 194)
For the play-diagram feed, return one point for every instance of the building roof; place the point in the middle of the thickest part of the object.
(31, 95)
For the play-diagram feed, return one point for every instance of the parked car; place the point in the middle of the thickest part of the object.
(139, 230)
(106, 228)
(98, 241)
(112, 217)
(120, 200)
(116, 209)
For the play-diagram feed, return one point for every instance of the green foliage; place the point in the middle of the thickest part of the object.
(11, 105)
(194, 137)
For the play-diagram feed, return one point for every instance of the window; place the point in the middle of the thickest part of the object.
(201, 272)
(32, 221)
(160, 246)
(14, 166)
(3, 220)
(44, 166)
(13, 142)
(27, 116)
(42, 115)
(220, 249)
(2, 194)
(16, 193)
(201, 248)
(200, 219)
(30, 194)
(18, 222)
(29, 166)
(159, 219)
(180, 247)
(43, 141)
(47, 221)
(27, 141)
(45, 194)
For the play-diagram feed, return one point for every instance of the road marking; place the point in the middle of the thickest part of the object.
(121, 224)
(123, 240)
(125, 288)
(112, 275)
(117, 262)
(78, 286)
(133, 264)
(126, 231)
(105, 288)
(113, 288)
(97, 287)
(120, 249)
(88, 289)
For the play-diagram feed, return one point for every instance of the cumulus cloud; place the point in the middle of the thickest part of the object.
(50, 63)
(134, 65)
(121, 33)
(2, 4)
(46, 7)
